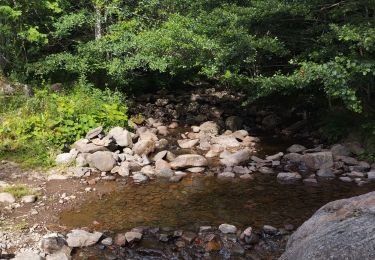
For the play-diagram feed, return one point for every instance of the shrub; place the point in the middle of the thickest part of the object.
(48, 121)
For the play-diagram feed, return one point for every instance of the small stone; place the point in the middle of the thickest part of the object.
(227, 229)
(371, 176)
(120, 239)
(139, 178)
(175, 179)
(325, 173)
(345, 179)
(29, 199)
(133, 236)
(247, 177)
(270, 230)
(226, 175)
(187, 144)
(296, 148)
(288, 177)
(189, 236)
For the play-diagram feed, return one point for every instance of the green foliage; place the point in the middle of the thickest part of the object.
(18, 190)
(261, 47)
(47, 121)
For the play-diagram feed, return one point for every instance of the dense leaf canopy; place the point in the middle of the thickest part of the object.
(262, 47)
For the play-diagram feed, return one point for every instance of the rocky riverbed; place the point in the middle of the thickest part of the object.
(189, 179)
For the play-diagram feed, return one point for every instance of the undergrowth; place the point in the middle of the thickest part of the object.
(33, 130)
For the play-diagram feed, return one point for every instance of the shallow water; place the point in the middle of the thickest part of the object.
(201, 200)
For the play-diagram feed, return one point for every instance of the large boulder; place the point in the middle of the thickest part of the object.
(342, 229)
(316, 161)
(103, 161)
(122, 137)
(188, 160)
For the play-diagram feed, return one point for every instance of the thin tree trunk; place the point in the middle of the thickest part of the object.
(98, 23)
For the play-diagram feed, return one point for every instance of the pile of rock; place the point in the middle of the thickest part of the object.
(317, 164)
(148, 154)
(226, 239)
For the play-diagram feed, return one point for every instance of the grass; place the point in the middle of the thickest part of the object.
(18, 190)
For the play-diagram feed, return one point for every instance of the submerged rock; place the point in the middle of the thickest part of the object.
(288, 177)
(342, 229)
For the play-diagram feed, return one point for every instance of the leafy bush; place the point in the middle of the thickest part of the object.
(48, 121)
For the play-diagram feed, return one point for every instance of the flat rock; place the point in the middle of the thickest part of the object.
(27, 256)
(82, 238)
(188, 161)
(226, 175)
(342, 229)
(227, 229)
(187, 143)
(288, 177)
(226, 141)
(29, 199)
(94, 132)
(83, 146)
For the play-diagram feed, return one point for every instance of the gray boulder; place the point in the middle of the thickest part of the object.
(103, 161)
(288, 177)
(318, 160)
(122, 137)
(82, 238)
(342, 229)
(189, 160)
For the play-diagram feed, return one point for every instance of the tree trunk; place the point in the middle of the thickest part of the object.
(98, 23)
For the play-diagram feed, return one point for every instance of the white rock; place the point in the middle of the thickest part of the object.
(227, 229)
